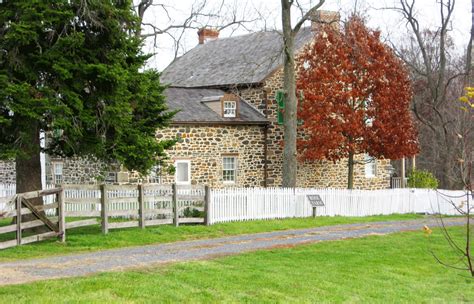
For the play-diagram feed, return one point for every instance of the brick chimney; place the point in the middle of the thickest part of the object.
(207, 34)
(325, 17)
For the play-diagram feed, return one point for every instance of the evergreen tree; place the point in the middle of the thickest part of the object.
(72, 69)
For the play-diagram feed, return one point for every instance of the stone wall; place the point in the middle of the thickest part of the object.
(205, 146)
(7, 172)
(310, 174)
(79, 170)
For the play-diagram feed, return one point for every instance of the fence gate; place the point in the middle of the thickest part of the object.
(18, 223)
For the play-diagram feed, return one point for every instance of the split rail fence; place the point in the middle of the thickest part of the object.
(28, 220)
(111, 206)
(141, 205)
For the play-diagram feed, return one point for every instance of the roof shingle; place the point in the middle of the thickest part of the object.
(228, 61)
(190, 102)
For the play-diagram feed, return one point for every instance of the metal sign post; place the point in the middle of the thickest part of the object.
(315, 201)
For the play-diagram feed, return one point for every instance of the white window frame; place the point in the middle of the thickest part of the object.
(111, 177)
(231, 106)
(186, 161)
(155, 175)
(56, 173)
(234, 169)
(370, 167)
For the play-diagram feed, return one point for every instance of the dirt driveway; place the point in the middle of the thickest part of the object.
(149, 256)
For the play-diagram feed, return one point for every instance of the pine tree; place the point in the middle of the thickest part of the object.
(73, 70)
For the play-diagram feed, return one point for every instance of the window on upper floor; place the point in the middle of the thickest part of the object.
(229, 108)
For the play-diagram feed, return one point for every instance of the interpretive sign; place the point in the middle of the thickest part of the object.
(315, 200)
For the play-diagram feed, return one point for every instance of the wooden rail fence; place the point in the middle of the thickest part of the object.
(27, 216)
(111, 206)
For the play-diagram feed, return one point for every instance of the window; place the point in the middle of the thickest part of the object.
(230, 108)
(111, 177)
(229, 169)
(155, 175)
(370, 166)
(58, 173)
(183, 172)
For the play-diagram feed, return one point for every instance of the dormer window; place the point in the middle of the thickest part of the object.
(230, 108)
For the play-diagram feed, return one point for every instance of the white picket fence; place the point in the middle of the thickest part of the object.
(240, 204)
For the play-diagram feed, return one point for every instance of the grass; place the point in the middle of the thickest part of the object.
(89, 238)
(376, 269)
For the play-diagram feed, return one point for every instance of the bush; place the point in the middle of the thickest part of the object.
(422, 179)
(188, 212)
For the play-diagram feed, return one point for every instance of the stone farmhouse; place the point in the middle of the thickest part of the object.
(229, 126)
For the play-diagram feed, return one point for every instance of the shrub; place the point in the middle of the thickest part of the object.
(188, 212)
(422, 179)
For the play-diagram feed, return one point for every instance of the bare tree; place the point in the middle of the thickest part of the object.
(289, 87)
(462, 249)
(438, 78)
(446, 133)
(219, 16)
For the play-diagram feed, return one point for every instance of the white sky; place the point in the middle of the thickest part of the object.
(387, 21)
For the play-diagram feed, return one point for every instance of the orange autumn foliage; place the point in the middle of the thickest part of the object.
(356, 96)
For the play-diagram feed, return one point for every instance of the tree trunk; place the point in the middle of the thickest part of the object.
(350, 171)
(289, 85)
(28, 166)
(470, 78)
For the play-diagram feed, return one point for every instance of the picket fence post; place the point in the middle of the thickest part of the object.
(207, 203)
(175, 206)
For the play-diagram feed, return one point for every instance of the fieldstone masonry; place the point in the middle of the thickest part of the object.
(205, 146)
(7, 172)
(310, 174)
(79, 170)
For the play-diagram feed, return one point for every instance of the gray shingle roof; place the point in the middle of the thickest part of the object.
(193, 109)
(226, 61)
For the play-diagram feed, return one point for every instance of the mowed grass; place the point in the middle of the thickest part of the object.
(395, 268)
(89, 238)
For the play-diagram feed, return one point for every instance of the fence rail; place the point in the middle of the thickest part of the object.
(26, 214)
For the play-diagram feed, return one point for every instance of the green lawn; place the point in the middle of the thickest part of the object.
(376, 269)
(90, 238)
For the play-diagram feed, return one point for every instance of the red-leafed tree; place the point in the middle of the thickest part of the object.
(356, 97)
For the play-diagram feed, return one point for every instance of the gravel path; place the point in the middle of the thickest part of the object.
(119, 259)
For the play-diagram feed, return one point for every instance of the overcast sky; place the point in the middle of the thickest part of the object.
(387, 21)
